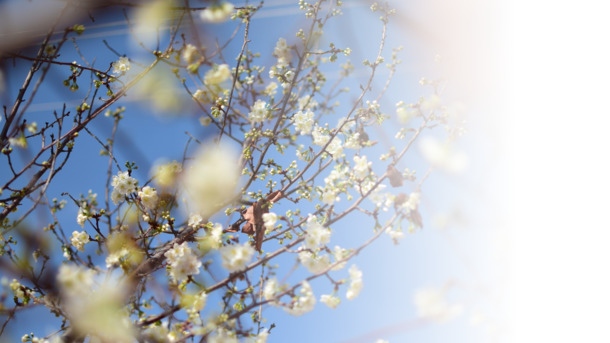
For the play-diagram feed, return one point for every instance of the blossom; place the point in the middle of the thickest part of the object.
(314, 263)
(282, 53)
(79, 239)
(271, 89)
(431, 103)
(95, 311)
(329, 196)
(316, 234)
(404, 115)
(394, 234)
(217, 75)
(262, 336)
(121, 66)
(149, 197)
(17, 289)
(431, 303)
(355, 285)
(303, 121)
(443, 155)
(269, 219)
(189, 53)
(194, 220)
(182, 261)
(258, 111)
(123, 185)
(217, 13)
(165, 174)
(339, 254)
(335, 148)
(304, 303)
(330, 300)
(74, 279)
(235, 257)
(81, 216)
(361, 168)
(319, 136)
(211, 178)
(307, 102)
(270, 290)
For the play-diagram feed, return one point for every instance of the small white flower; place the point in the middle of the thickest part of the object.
(335, 148)
(121, 66)
(189, 53)
(235, 257)
(79, 239)
(314, 263)
(431, 303)
(217, 75)
(282, 53)
(217, 13)
(395, 235)
(303, 121)
(182, 262)
(270, 290)
(149, 197)
(258, 111)
(81, 216)
(361, 168)
(269, 219)
(355, 285)
(123, 185)
(304, 303)
(319, 137)
(316, 234)
(330, 300)
(194, 220)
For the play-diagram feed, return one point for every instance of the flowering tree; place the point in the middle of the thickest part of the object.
(285, 158)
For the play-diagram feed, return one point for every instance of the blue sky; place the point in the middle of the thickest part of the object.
(428, 258)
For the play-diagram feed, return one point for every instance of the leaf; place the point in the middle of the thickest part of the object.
(254, 218)
(396, 179)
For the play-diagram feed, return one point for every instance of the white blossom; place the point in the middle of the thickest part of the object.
(217, 13)
(270, 290)
(361, 167)
(269, 220)
(211, 178)
(319, 136)
(258, 111)
(282, 53)
(443, 155)
(182, 262)
(395, 235)
(339, 254)
(314, 263)
(355, 286)
(194, 220)
(431, 303)
(235, 256)
(307, 102)
(217, 75)
(79, 239)
(121, 66)
(81, 216)
(330, 300)
(303, 121)
(123, 185)
(149, 197)
(316, 234)
(189, 53)
(335, 148)
(305, 302)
